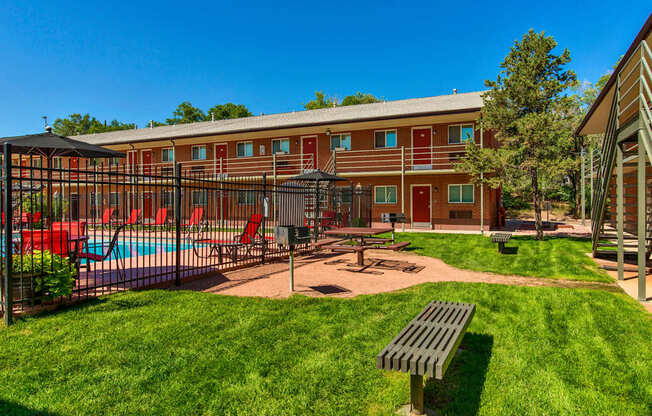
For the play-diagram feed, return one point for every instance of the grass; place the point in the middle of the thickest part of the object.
(528, 351)
(554, 257)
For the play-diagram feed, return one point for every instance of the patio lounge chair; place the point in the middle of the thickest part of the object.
(112, 248)
(134, 218)
(248, 239)
(161, 218)
(106, 218)
(195, 219)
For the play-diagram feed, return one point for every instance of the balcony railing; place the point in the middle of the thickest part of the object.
(408, 159)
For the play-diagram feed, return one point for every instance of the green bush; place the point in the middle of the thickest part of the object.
(514, 202)
(38, 202)
(53, 275)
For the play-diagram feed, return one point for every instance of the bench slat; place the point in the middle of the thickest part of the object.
(427, 344)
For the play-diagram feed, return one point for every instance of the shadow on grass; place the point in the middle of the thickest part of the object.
(15, 409)
(460, 391)
(510, 250)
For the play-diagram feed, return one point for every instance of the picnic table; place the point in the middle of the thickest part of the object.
(427, 345)
(362, 236)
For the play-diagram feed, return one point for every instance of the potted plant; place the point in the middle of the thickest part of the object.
(41, 276)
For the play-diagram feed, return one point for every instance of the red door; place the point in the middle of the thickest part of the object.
(221, 154)
(74, 165)
(309, 152)
(132, 160)
(421, 148)
(146, 156)
(147, 205)
(421, 204)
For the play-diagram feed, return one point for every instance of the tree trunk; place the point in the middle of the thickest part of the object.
(536, 201)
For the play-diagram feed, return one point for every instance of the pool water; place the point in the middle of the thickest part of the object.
(135, 248)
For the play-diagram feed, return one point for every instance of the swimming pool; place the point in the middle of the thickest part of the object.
(135, 248)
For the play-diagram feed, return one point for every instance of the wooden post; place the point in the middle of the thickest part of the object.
(619, 212)
(6, 287)
(416, 395)
(641, 217)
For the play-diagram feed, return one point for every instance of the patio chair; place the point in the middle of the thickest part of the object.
(195, 219)
(106, 218)
(134, 218)
(161, 218)
(112, 248)
(248, 239)
(56, 242)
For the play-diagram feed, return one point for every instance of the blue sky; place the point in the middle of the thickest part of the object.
(136, 61)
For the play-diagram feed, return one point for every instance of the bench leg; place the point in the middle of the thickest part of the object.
(360, 258)
(501, 247)
(416, 395)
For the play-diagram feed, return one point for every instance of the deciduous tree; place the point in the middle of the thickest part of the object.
(186, 113)
(227, 111)
(76, 124)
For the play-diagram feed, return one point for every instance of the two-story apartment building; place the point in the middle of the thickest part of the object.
(405, 150)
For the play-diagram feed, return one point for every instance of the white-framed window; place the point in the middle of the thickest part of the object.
(37, 162)
(167, 155)
(57, 162)
(459, 133)
(199, 153)
(280, 145)
(385, 194)
(114, 199)
(167, 198)
(246, 197)
(385, 138)
(342, 140)
(460, 194)
(199, 197)
(114, 161)
(245, 149)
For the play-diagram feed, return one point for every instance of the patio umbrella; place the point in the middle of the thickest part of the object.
(49, 145)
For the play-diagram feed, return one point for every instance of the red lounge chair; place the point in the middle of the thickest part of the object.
(249, 238)
(134, 218)
(113, 248)
(195, 219)
(161, 218)
(106, 218)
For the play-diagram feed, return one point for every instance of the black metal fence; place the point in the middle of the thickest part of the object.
(122, 227)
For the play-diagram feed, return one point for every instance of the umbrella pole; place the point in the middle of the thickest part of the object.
(49, 211)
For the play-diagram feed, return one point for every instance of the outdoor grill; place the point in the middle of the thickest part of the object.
(393, 218)
(290, 235)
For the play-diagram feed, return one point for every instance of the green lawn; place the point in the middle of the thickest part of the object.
(528, 351)
(554, 257)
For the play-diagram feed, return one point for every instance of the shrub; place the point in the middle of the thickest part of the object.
(38, 202)
(53, 275)
(514, 202)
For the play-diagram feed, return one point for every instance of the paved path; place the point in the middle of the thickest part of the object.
(314, 276)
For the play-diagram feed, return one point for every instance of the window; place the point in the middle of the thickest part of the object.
(460, 194)
(341, 140)
(199, 197)
(114, 199)
(115, 161)
(167, 198)
(167, 155)
(460, 133)
(246, 197)
(36, 162)
(57, 163)
(245, 149)
(384, 139)
(199, 153)
(280, 145)
(385, 194)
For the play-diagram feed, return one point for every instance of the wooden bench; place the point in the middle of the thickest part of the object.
(427, 345)
(329, 241)
(501, 239)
